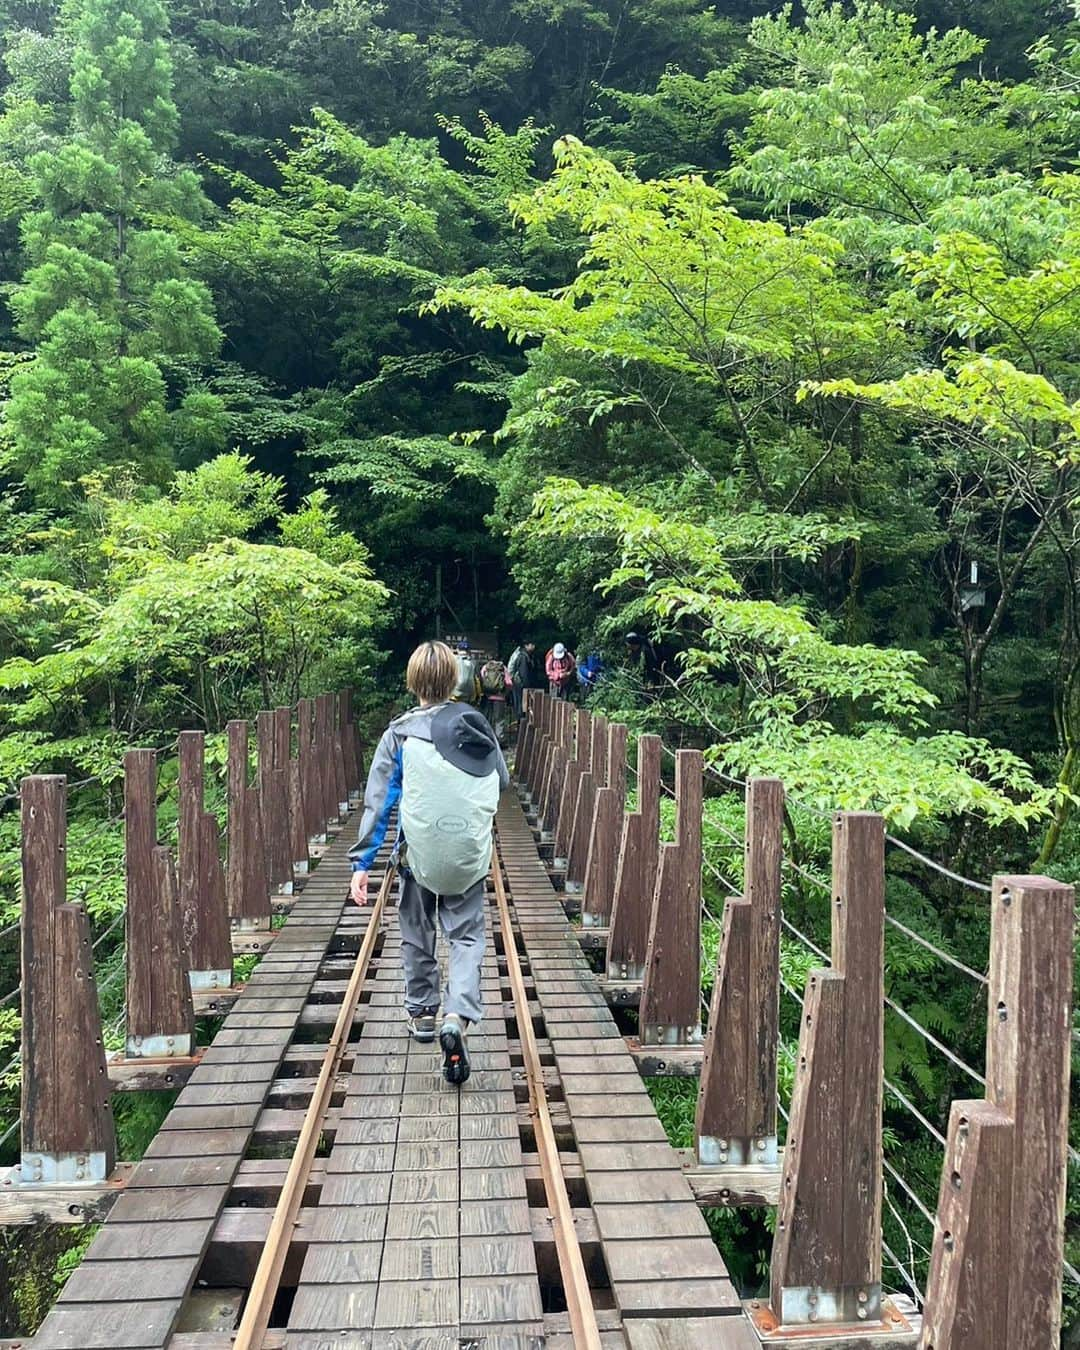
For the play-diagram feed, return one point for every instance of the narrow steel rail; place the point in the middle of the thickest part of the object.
(583, 1325)
(264, 1286)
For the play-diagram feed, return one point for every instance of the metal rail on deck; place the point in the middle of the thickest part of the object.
(264, 1286)
(583, 1325)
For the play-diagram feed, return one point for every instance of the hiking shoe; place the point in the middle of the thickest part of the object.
(455, 1052)
(421, 1027)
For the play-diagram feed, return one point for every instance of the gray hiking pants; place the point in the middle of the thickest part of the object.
(462, 919)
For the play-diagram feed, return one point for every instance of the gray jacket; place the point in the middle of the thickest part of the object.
(383, 790)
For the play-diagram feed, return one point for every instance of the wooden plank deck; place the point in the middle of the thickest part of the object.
(440, 1178)
(660, 1258)
(130, 1288)
(424, 1221)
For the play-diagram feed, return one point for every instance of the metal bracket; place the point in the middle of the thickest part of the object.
(209, 979)
(896, 1325)
(662, 1034)
(261, 924)
(159, 1047)
(760, 1151)
(573, 887)
(301, 867)
(804, 1305)
(61, 1169)
(343, 810)
(286, 888)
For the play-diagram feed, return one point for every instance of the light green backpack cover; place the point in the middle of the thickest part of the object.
(446, 815)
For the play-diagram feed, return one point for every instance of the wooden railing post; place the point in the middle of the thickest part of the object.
(273, 804)
(310, 777)
(354, 772)
(635, 873)
(576, 765)
(247, 880)
(538, 723)
(67, 1126)
(826, 1262)
(995, 1270)
(294, 790)
(337, 743)
(670, 1012)
(542, 760)
(547, 737)
(203, 911)
(555, 776)
(547, 768)
(525, 733)
(324, 758)
(736, 1111)
(160, 1020)
(590, 782)
(601, 863)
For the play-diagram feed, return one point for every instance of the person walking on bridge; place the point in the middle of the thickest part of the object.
(522, 673)
(441, 766)
(560, 666)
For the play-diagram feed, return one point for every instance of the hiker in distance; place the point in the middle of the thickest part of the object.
(560, 667)
(441, 766)
(522, 670)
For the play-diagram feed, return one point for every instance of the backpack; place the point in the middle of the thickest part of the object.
(446, 816)
(493, 677)
(465, 689)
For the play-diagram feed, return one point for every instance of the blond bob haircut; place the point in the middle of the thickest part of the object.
(432, 672)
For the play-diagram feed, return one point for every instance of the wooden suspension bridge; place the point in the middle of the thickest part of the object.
(317, 1184)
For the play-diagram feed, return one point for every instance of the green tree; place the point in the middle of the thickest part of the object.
(779, 696)
(118, 324)
(189, 601)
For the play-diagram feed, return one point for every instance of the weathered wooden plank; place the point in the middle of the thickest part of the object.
(298, 833)
(44, 887)
(858, 951)
(84, 1123)
(350, 741)
(602, 858)
(113, 1326)
(309, 772)
(764, 856)
(598, 762)
(808, 1243)
(967, 1293)
(143, 910)
(670, 1010)
(720, 1124)
(995, 1274)
(247, 881)
(578, 855)
(576, 766)
(690, 1333)
(201, 877)
(1027, 1072)
(635, 875)
(160, 1020)
(337, 742)
(273, 801)
(174, 1015)
(324, 756)
(829, 1222)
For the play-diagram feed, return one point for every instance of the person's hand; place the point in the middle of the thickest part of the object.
(358, 888)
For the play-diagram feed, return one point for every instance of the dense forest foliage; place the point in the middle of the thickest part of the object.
(750, 327)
